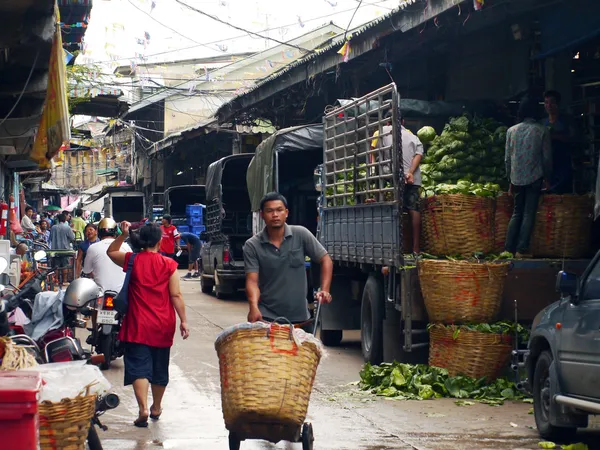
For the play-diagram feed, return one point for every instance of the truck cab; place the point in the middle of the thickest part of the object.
(228, 225)
(563, 356)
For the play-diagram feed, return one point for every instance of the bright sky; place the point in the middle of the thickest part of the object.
(118, 28)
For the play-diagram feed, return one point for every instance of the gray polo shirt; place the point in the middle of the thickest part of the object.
(281, 271)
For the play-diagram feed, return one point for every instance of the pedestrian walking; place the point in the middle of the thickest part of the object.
(91, 237)
(78, 224)
(193, 248)
(61, 237)
(148, 329)
(26, 222)
(170, 236)
(276, 282)
(528, 160)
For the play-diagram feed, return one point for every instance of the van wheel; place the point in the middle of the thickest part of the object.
(542, 397)
(206, 285)
(371, 319)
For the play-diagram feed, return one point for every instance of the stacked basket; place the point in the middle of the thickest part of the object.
(464, 292)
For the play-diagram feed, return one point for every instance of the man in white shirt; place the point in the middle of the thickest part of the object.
(98, 265)
(26, 222)
(412, 153)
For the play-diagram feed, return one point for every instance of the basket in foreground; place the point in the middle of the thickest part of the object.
(462, 291)
(469, 353)
(64, 425)
(456, 224)
(266, 382)
(563, 227)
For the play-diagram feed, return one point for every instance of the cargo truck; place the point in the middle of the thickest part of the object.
(375, 285)
(124, 203)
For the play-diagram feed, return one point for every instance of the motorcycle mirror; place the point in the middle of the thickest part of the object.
(39, 255)
(3, 265)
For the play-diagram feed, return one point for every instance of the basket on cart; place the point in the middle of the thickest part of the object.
(563, 226)
(64, 425)
(471, 353)
(457, 224)
(462, 291)
(266, 381)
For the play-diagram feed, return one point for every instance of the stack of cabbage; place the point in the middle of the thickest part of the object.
(467, 158)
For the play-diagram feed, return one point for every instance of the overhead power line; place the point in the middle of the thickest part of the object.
(326, 16)
(242, 29)
(168, 27)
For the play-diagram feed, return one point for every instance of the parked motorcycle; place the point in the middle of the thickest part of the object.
(57, 346)
(105, 330)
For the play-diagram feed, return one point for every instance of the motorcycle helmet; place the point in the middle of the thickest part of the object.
(81, 292)
(107, 227)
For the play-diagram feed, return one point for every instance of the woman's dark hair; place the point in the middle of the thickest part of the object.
(528, 109)
(146, 237)
(90, 225)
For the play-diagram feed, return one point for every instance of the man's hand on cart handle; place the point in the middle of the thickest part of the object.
(254, 315)
(323, 297)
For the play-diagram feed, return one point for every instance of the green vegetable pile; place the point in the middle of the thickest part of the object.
(503, 327)
(469, 155)
(422, 382)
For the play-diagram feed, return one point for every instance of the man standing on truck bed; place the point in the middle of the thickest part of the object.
(528, 160)
(412, 153)
(276, 282)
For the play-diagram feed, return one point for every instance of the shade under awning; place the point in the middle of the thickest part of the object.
(96, 206)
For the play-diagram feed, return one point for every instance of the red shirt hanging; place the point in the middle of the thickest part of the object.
(150, 318)
(169, 234)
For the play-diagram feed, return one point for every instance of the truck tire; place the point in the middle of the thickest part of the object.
(542, 398)
(371, 321)
(206, 284)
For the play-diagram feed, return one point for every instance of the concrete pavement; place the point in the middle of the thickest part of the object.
(342, 417)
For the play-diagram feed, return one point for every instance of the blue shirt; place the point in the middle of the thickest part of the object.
(86, 244)
(190, 238)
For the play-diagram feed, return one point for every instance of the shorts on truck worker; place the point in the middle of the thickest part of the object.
(276, 283)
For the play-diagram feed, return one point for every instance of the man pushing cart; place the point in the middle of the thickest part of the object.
(268, 365)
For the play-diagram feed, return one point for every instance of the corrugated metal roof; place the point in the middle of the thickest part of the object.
(335, 43)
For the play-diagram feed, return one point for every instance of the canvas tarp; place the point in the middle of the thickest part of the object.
(260, 176)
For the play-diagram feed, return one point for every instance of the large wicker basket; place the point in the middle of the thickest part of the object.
(64, 425)
(563, 227)
(469, 353)
(457, 224)
(266, 382)
(502, 215)
(462, 291)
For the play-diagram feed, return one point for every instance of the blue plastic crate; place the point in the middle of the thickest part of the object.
(183, 229)
(194, 210)
(198, 230)
(195, 221)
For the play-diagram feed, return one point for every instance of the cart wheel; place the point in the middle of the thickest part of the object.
(307, 436)
(234, 442)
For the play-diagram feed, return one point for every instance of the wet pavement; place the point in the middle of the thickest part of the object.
(342, 417)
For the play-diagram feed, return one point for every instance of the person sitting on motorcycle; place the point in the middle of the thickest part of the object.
(98, 265)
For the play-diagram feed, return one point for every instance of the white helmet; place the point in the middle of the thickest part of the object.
(81, 292)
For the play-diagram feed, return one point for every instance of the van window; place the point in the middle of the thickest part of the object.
(591, 286)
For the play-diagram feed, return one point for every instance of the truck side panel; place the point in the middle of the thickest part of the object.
(363, 234)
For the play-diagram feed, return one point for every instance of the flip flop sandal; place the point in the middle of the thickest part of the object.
(141, 422)
(155, 416)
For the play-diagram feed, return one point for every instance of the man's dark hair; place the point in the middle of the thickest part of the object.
(528, 109)
(146, 237)
(168, 218)
(29, 208)
(553, 94)
(79, 212)
(62, 217)
(272, 197)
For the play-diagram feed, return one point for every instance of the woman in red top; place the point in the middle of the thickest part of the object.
(149, 325)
